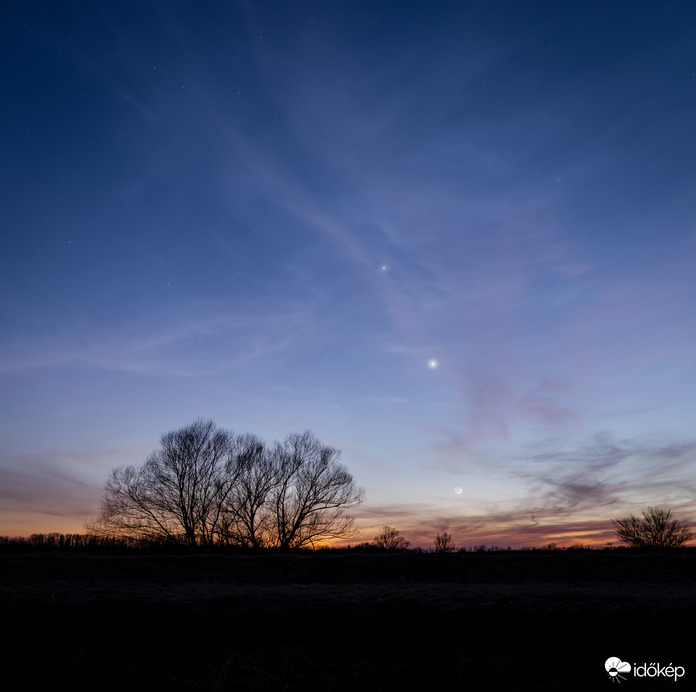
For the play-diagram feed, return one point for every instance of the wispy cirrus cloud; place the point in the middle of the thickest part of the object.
(186, 340)
(609, 472)
(51, 485)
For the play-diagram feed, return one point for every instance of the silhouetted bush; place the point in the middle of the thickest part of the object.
(657, 530)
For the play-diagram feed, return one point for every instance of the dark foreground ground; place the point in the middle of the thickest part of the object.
(345, 621)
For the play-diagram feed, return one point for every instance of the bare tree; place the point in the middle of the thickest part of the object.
(657, 529)
(389, 539)
(443, 543)
(311, 493)
(246, 516)
(178, 493)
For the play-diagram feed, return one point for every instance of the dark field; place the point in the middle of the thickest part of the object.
(528, 620)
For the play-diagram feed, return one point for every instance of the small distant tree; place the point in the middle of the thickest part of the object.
(656, 529)
(443, 543)
(389, 539)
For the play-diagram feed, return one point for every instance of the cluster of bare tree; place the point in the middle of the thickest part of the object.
(209, 486)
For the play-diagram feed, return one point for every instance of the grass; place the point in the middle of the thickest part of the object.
(336, 621)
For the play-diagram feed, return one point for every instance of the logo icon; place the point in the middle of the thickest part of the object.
(615, 666)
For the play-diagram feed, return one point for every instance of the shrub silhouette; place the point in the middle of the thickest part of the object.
(443, 543)
(656, 530)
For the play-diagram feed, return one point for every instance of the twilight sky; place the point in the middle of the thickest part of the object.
(457, 241)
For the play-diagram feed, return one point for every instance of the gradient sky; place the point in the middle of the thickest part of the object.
(457, 241)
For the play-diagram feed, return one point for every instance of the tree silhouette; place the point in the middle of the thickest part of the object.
(389, 539)
(310, 493)
(244, 519)
(657, 529)
(443, 543)
(177, 495)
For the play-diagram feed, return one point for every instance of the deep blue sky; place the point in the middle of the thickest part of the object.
(455, 240)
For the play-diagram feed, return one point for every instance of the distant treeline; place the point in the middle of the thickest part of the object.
(72, 542)
(81, 542)
(93, 543)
